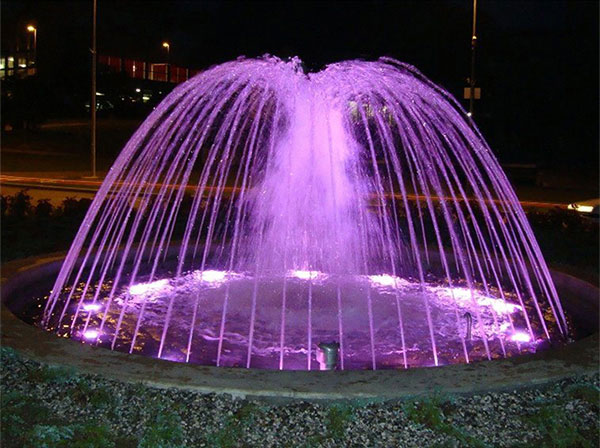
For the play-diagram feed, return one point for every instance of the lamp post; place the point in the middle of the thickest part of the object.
(167, 46)
(93, 100)
(473, 47)
(33, 29)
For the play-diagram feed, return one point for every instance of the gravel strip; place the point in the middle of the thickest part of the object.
(520, 418)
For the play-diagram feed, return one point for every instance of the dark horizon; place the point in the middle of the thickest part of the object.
(537, 62)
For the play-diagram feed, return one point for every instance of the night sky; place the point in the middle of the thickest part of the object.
(537, 61)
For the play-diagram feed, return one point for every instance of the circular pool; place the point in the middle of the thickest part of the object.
(23, 280)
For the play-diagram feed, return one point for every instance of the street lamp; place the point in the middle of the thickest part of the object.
(33, 29)
(93, 99)
(167, 46)
(473, 47)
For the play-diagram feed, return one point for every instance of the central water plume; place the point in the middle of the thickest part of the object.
(259, 207)
(310, 205)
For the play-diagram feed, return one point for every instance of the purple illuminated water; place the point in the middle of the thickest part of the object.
(259, 211)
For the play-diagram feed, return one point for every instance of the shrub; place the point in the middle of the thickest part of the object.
(557, 429)
(429, 412)
(51, 374)
(92, 435)
(164, 431)
(337, 420)
(49, 436)
(230, 435)
(83, 392)
(20, 413)
(586, 392)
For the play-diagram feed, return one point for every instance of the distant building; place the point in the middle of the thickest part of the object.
(138, 69)
(18, 62)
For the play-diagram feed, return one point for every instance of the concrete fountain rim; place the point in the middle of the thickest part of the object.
(578, 358)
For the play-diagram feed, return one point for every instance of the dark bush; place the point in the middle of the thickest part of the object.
(43, 209)
(566, 239)
(19, 205)
(35, 229)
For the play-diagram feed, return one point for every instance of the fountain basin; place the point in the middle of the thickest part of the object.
(580, 300)
(277, 321)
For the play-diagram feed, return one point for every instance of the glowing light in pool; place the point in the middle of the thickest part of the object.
(520, 336)
(387, 281)
(172, 358)
(383, 280)
(464, 298)
(91, 334)
(146, 288)
(306, 275)
(213, 278)
(499, 305)
(92, 307)
(504, 326)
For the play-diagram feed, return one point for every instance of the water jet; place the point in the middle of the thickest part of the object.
(260, 209)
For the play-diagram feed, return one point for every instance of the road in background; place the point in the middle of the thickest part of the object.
(56, 188)
(51, 164)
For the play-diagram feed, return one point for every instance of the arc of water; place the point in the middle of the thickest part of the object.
(238, 107)
(418, 129)
(210, 111)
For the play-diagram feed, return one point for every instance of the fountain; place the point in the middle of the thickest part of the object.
(260, 212)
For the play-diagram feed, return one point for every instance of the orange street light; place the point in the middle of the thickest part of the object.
(168, 47)
(473, 48)
(33, 29)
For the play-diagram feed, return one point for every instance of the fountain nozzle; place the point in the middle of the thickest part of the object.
(327, 355)
(469, 325)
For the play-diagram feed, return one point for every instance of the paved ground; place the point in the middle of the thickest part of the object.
(53, 186)
(64, 146)
(56, 186)
(53, 162)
